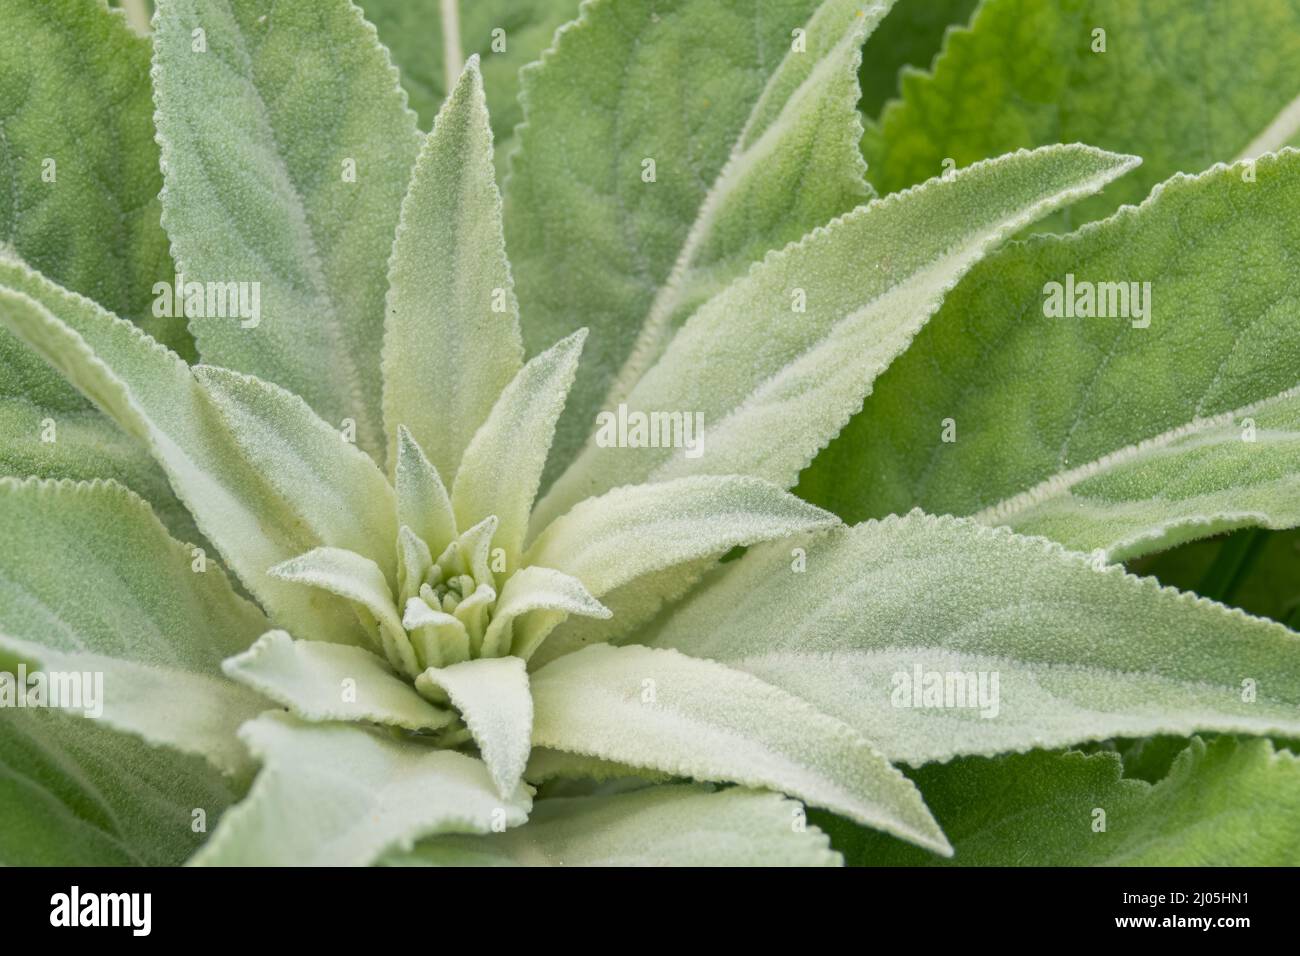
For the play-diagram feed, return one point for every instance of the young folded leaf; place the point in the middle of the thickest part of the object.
(502, 467)
(423, 504)
(361, 581)
(493, 698)
(322, 682)
(451, 332)
(536, 588)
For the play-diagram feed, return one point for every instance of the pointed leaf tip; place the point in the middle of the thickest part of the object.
(451, 332)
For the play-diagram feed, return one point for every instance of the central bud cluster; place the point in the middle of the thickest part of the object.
(447, 603)
(461, 586)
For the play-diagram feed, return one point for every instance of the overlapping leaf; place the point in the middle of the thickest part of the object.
(793, 347)
(50, 430)
(693, 718)
(609, 541)
(1241, 468)
(74, 792)
(594, 233)
(1183, 85)
(1030, 397)
(151, 393)
(339, 490)
(286, 150)
(339, 794)
(659, 826)
(90, 584)
(82, 205)
(794, 166)
(1047, 648)
(79, 158)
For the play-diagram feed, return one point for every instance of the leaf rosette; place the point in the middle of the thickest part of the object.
(461, 629)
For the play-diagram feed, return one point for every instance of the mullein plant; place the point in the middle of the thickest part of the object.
(306, 466)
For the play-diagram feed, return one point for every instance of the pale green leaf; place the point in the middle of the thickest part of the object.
(451, 336)
(629, 532)
(632, 607)
(79, 159)
(91, 583)
(150, 393)
(660, 826)
(414, 560)
(694, 718)
(795, 165)
(1069, 650)
(79, 154)
(74, 792)
(152, 396)
(1028, 73)
(436, 635)
(475, 547)
(423, 504)
(135, 593)
(493, 699)
(781, 383)
(83, 445)
(171, 705)
(286, 149)
(360, 580)
(646, 545)
(321, 682)
(1223, 803)
(676, 82)
(1030, 397)
(1237, 469)
(338, 490)
(502, 467)
(535, 588)
(343, 795)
